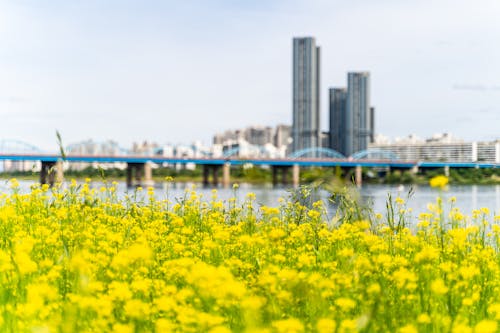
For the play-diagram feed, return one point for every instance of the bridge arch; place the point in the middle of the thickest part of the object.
(375, 154)
(231, 152)
(9, 146)
(317, 152)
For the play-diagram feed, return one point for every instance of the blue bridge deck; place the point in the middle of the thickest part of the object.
(305, 162)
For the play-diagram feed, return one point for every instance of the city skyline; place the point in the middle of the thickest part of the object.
(176, 72)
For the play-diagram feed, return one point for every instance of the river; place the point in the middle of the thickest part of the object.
(468, 197)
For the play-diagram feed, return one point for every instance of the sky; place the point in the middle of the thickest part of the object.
(179, 71)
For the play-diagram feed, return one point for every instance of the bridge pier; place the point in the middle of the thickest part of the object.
(283, 169)
(346, 173)
(51, 173)
(205, 172)
(129, 175)
(148, 174)
(215, 175)
(358, 175)
(295, 175)
(226, 175)
(214, 170)
(447, 170)
(142, 172)
(383, 171)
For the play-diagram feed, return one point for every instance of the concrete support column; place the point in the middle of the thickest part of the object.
(226, 174)
(213, 169)
(206, 172)
(148, 174)
(215, 175)
(47, 173)
(358, 176)
(59, 172)
(346, 174)
(139, 170)
(51, 172)
(129, 175)
(447, 170)
(282, 171)
(295, 175)
(414, 169)
(284, 175)
(274, 170)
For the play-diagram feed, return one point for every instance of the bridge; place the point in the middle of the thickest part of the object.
(139, 166)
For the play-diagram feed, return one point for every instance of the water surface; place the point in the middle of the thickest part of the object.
(468, 197)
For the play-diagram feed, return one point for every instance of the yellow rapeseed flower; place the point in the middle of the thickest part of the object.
(461, 328)
(345, 304)
(424, 319)
(486, 326)
(73, 259)
(123, 328)
(290, 325)
(438, 287)
(439, 181)
(408, 329)
(326, 325)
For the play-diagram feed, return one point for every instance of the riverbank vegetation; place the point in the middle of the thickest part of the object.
(82, 259)
(457, 176)
(256, 175)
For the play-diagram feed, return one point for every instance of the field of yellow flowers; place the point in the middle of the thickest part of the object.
(84, 260)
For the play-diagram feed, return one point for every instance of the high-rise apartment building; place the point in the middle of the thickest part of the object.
(372, 124)
(306, 69)
(352, 120)
(337, 102)
(258, 135)
(358, 116)
(282, 135)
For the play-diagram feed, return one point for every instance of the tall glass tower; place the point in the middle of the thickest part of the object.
(306, 68)
(338, 98)
(358, 115)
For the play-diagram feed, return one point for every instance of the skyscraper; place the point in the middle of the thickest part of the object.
(337, 102)
(306, 124)
(358, 115)
(372, 124)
